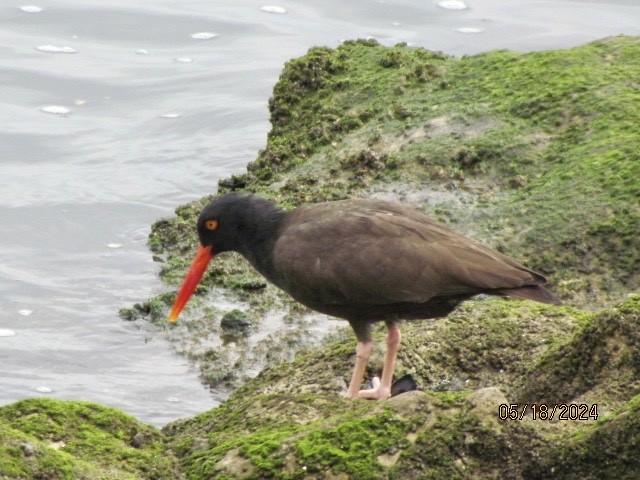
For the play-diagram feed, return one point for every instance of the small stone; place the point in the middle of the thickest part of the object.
(388, 460)
(235, 464)
(518, 181)
(199, 444)
(484, 404)
(404, 384)
(140, 439)
(234, 182)
(235, 320)
(27, 449)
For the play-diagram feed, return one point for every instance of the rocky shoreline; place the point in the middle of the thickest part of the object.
(535, 155)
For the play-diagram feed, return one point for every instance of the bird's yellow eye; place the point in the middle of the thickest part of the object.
(211, 224)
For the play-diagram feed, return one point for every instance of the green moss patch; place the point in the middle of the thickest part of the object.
(600, 364)
(52, 439)
(535, 154)
(291, 422)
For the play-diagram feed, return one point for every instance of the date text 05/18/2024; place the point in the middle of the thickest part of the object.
(545, 411)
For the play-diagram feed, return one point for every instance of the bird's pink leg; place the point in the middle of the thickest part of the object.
(363, 352)
(382, 386)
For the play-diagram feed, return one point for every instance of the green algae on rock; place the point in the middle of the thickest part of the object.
(600, 364)
(286, 424)
(525, 151)
(53, 439)
(534, 154)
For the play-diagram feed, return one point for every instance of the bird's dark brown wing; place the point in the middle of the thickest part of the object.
(369, 252)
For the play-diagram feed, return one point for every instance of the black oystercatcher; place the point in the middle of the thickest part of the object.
(361, 260)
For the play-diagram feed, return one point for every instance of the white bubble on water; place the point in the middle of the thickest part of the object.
(452, 4)
(55, 110)
(142, 51)
(31, 9)
(114, 245)
(184, 60)
(273, 9)
(55, 49)
(44, 389)
(173, 400)
(469, 30)
(5, 332)
(204, 35)
(25, 312)
(170, 115)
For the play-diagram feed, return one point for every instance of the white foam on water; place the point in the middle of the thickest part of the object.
(5, 332)
(25, 312)
(31, 9)
(469, 30)
(114, 245)
(452, 5)
(170, 115)
(204, 35)
(55, 49)
(55, 110)
(44, 389)
(142, 51)
(273, 9)
(184, 60)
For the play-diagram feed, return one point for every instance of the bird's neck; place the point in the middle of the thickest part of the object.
(259, 230)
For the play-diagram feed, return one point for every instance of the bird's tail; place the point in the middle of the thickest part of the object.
(536, 293)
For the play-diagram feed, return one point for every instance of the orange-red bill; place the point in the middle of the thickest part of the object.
(194, 275)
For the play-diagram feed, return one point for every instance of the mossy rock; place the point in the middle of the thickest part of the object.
(534, 154)
(599, 364)
(538, 151)
(605, 450)
(291, 422)
(53, 439)
(283, 427)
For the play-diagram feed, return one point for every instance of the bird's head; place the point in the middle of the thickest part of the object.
(230, 222)
(221, 223)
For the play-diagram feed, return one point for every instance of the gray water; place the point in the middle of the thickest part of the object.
(78, 191)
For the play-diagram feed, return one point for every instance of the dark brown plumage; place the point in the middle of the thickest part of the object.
(361, 260)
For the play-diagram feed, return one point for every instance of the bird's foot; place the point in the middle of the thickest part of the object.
(378, 392)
